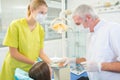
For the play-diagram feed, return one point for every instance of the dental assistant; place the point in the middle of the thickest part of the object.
(25, 39)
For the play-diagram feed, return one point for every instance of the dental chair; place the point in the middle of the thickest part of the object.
(21, 75)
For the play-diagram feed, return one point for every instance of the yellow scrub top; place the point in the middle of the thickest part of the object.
(26, 41)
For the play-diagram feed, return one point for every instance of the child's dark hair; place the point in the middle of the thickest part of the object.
(40, 71)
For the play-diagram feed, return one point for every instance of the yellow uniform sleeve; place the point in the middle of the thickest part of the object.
(42, 35)
(11, 38)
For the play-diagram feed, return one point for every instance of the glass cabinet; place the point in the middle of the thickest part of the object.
(54, 9)
(76, 43)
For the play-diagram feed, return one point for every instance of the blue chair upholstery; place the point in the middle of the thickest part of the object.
(21, 75)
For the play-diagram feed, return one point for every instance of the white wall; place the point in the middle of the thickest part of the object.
(19, 7)
(3, 52)
(0, 6)
(52, 47)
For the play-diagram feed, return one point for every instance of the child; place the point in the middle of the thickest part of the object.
(40, 71)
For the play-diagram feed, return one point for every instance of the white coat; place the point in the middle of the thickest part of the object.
(104, 46)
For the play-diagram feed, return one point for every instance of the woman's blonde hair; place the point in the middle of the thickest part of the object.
(35, 4)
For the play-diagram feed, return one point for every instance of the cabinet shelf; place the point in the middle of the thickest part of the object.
(108, 9)
(54, 4)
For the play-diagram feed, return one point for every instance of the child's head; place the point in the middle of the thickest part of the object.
(40, 71)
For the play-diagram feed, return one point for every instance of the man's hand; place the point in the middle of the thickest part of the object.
(91, 66)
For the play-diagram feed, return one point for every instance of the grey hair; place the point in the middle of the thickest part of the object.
(84, 10)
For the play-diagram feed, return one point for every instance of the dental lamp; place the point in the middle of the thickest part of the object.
(58, 24)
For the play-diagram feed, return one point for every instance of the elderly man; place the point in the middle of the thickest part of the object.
(102, 61)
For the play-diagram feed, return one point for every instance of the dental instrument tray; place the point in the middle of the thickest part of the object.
(77, 69)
